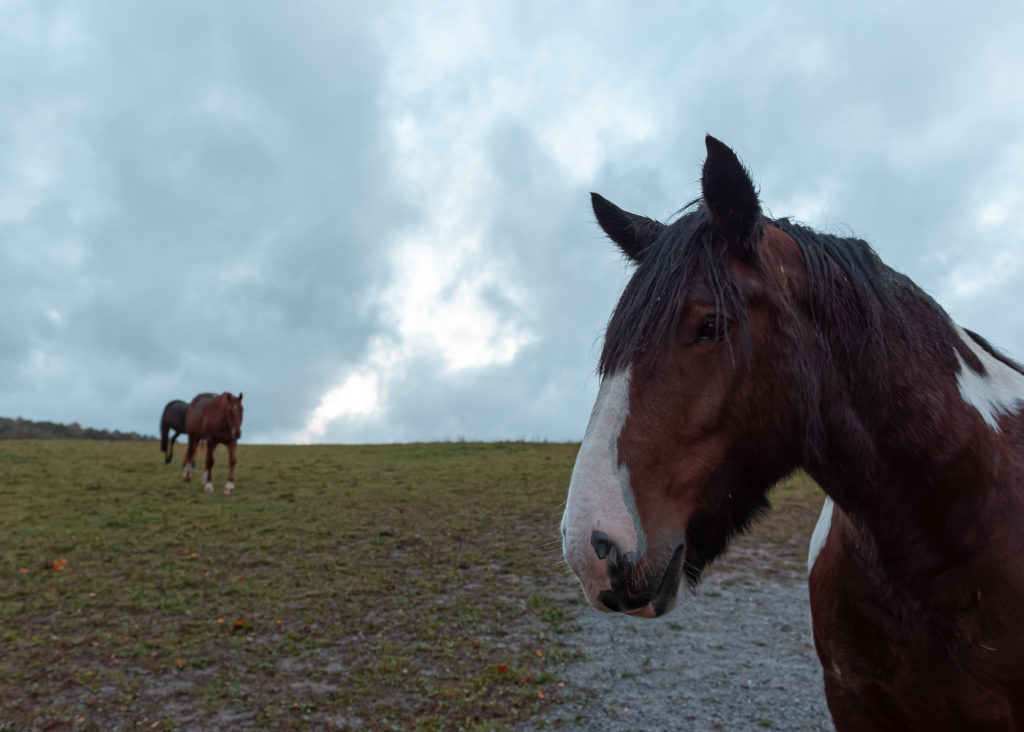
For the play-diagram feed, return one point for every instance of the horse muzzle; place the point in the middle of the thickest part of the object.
(647, 594)
(615, 580)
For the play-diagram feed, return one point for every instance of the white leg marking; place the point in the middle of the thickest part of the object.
(999, 392)
(600, 497)
(187, 472)
(208, 487)
(229, 488)
(820, 534)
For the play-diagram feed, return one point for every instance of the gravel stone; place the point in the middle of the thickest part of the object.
(736, 656)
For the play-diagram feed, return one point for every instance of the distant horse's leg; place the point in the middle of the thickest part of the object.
(208, 473)
(229, 487)
(186, 474)
(169, 446)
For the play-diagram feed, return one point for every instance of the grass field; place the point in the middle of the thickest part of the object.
(409, 586)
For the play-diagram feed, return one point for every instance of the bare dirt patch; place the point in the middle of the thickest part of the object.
(736, 656)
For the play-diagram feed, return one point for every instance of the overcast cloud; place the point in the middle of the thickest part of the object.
(373, 218)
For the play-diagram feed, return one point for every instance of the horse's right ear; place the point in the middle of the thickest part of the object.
(239, 396)
(631, 232)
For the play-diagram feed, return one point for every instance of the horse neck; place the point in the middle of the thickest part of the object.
(914, 436)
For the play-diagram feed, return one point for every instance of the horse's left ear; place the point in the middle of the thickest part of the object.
(729, 193)
(239, 396)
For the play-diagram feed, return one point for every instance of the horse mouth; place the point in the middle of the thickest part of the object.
(650, 603)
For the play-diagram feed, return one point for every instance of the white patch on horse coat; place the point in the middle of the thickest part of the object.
(208, 487)
(187, 472)
(600, 497)
(206, 476)
(229, 488)
(820, 534)
(999, 392)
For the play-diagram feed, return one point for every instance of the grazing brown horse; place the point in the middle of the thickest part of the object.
(216, 419)
(173, 418)
(743, 348)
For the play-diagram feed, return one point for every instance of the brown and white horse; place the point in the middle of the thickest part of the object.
(216, 419)
(743, 348)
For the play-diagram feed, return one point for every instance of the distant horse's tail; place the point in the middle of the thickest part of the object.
(165, 430)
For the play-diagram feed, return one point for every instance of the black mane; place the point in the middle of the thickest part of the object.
(860, 301)
(994, 352)
(652, 302)
(851, 291)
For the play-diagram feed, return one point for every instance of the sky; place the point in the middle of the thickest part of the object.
(373, 219)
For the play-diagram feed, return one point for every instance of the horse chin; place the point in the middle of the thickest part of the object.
(667, 594)
(647, 611)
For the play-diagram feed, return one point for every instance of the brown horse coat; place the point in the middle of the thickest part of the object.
(743, 348)
(215, 418)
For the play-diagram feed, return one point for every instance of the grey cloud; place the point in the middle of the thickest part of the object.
(222, 247)
(198, 196)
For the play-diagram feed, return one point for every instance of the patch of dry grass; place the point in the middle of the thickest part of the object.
(405, 586)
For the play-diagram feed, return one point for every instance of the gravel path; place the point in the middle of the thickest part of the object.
(737, 656)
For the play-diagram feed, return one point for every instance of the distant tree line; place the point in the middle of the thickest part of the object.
(26, 429)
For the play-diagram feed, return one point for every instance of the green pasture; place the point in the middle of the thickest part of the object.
(407, 586)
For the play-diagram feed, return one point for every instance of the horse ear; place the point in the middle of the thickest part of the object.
(632, 233)
(729, 193)
(239, 396)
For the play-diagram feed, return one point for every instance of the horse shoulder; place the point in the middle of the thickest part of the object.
(893, 659)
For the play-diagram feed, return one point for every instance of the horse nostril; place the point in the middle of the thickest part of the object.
(619, 565)
(603, 546)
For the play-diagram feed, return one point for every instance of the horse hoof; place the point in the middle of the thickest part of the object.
(208, 487)
(229, 488)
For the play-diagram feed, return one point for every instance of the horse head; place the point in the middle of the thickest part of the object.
(696, 409)
(234, 414)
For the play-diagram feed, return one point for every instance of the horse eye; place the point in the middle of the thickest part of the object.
(713, 328)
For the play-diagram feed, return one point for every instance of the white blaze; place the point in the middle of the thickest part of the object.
(600, 497)
(999, 392)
